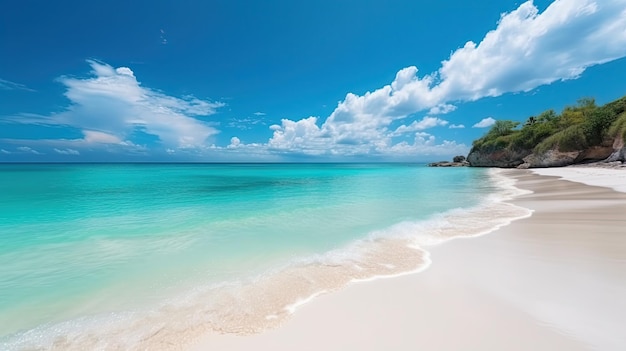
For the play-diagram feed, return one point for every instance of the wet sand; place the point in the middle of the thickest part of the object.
(553, 281)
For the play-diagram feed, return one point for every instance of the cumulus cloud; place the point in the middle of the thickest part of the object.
(424, 123)
(442, 109)
(67, 151)
(306, 137)
(484, 123)
(113, 102)
(456, 126)
(426, 145)
(527, 49)
(302, 135)
(95, 137)
(234, 142)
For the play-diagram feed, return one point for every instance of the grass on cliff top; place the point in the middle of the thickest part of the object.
(577, 127)
(618, 128)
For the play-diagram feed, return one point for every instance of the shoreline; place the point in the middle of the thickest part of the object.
(269, 300)
(436, 308)
(415, 280)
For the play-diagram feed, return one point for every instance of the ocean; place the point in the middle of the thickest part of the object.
(106, 256)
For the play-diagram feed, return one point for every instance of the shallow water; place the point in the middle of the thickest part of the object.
(95, 253)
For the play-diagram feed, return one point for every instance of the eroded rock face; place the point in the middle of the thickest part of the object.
(550, 158)
(506, 158)
(555, 158)
(619, 151)
(503, 158)
(594, 154)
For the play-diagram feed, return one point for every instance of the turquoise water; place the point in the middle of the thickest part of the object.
(81, 240)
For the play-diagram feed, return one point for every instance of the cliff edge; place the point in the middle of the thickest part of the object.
(583, 133)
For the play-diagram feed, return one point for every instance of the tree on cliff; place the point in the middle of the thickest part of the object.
(577, 128)
(502, 128)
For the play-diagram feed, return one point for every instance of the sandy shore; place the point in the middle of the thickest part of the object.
(554, 281)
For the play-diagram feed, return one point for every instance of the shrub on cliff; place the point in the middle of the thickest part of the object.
(618, 128)
(569, 139)
(535, 130)
(600, 121)
(577, 127)
(499, 136)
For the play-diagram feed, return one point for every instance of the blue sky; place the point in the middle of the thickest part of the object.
(284, 80)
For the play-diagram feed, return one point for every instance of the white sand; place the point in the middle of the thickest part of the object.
(605, 177)
(554, 281)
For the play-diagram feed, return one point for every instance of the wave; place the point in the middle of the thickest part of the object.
(265, 301)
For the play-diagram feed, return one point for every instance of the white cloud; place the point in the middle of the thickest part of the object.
(298, 136)
(441, 109)
(9, 85)
(163, 38)
(67, 151)
(112, 104)
(259, 113)
(29, 150)
(306, 137)
(456, 126)
(95, 137)
(426, 145)
(90, 141)
(527, 49)
(5, 152)
(424, 123)
(245, 123)
(234, 142)
(484, 123)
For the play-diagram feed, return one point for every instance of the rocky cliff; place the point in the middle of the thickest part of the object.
(619, 151)
(581, 133)
(507, 158)
(496, 157)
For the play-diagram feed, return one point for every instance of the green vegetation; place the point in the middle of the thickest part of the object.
(619, 126)
(576, 128)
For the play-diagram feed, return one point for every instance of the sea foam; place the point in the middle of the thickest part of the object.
(265, 300)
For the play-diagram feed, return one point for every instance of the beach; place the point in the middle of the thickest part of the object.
(153, 256)
(308, 257)
(555, 280)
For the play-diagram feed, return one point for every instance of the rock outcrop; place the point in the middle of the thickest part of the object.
(503, 158)
(619, 151)
(550, 158)
(581, 134)
(506, 158)
(449, 164)
(457, 161)
(556, 158)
